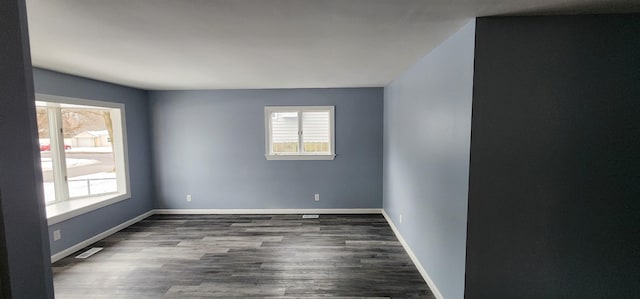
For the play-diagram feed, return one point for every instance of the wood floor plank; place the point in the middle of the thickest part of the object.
(245, 256)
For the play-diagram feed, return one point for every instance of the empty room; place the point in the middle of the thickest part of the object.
(320, 149)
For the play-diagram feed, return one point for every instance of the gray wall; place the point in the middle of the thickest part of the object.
(25, 268)
(554, 209)
(211, 144)
(427, 121)
(88, 225)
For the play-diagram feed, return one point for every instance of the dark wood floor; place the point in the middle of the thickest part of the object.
(266, 256)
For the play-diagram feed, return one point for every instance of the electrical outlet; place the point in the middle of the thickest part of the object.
(317, 197)
(189, 197)
(57, 235)
(400, 218)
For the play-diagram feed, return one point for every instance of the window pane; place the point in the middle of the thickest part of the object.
(315, 132)
(45, 154)
(284, 132)
(91, 167)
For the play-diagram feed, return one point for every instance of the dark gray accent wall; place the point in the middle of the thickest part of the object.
(24, 258)
(85, 226)
(5, 292)
(427, 124)
(554, 209)
(211, 144)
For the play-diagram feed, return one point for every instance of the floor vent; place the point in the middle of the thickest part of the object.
(310, 216)
(89, 253)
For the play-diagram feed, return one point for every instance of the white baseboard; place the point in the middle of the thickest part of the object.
(413, 257)
(267, 211)
(62, 254)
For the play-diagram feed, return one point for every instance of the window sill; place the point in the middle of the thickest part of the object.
(300, 157)
(68, 209)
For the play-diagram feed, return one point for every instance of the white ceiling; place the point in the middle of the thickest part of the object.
(229, 44)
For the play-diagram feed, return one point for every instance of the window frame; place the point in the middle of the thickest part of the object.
(65, 207)
(269, 155)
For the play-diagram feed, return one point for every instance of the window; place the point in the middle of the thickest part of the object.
(83, 154)
(299, 133)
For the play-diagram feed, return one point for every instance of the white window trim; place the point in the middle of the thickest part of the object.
(299, 156)
(62, 210)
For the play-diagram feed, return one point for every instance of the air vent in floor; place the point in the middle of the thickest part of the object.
(88, 253)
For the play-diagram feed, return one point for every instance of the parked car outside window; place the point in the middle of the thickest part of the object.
(47, 147)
